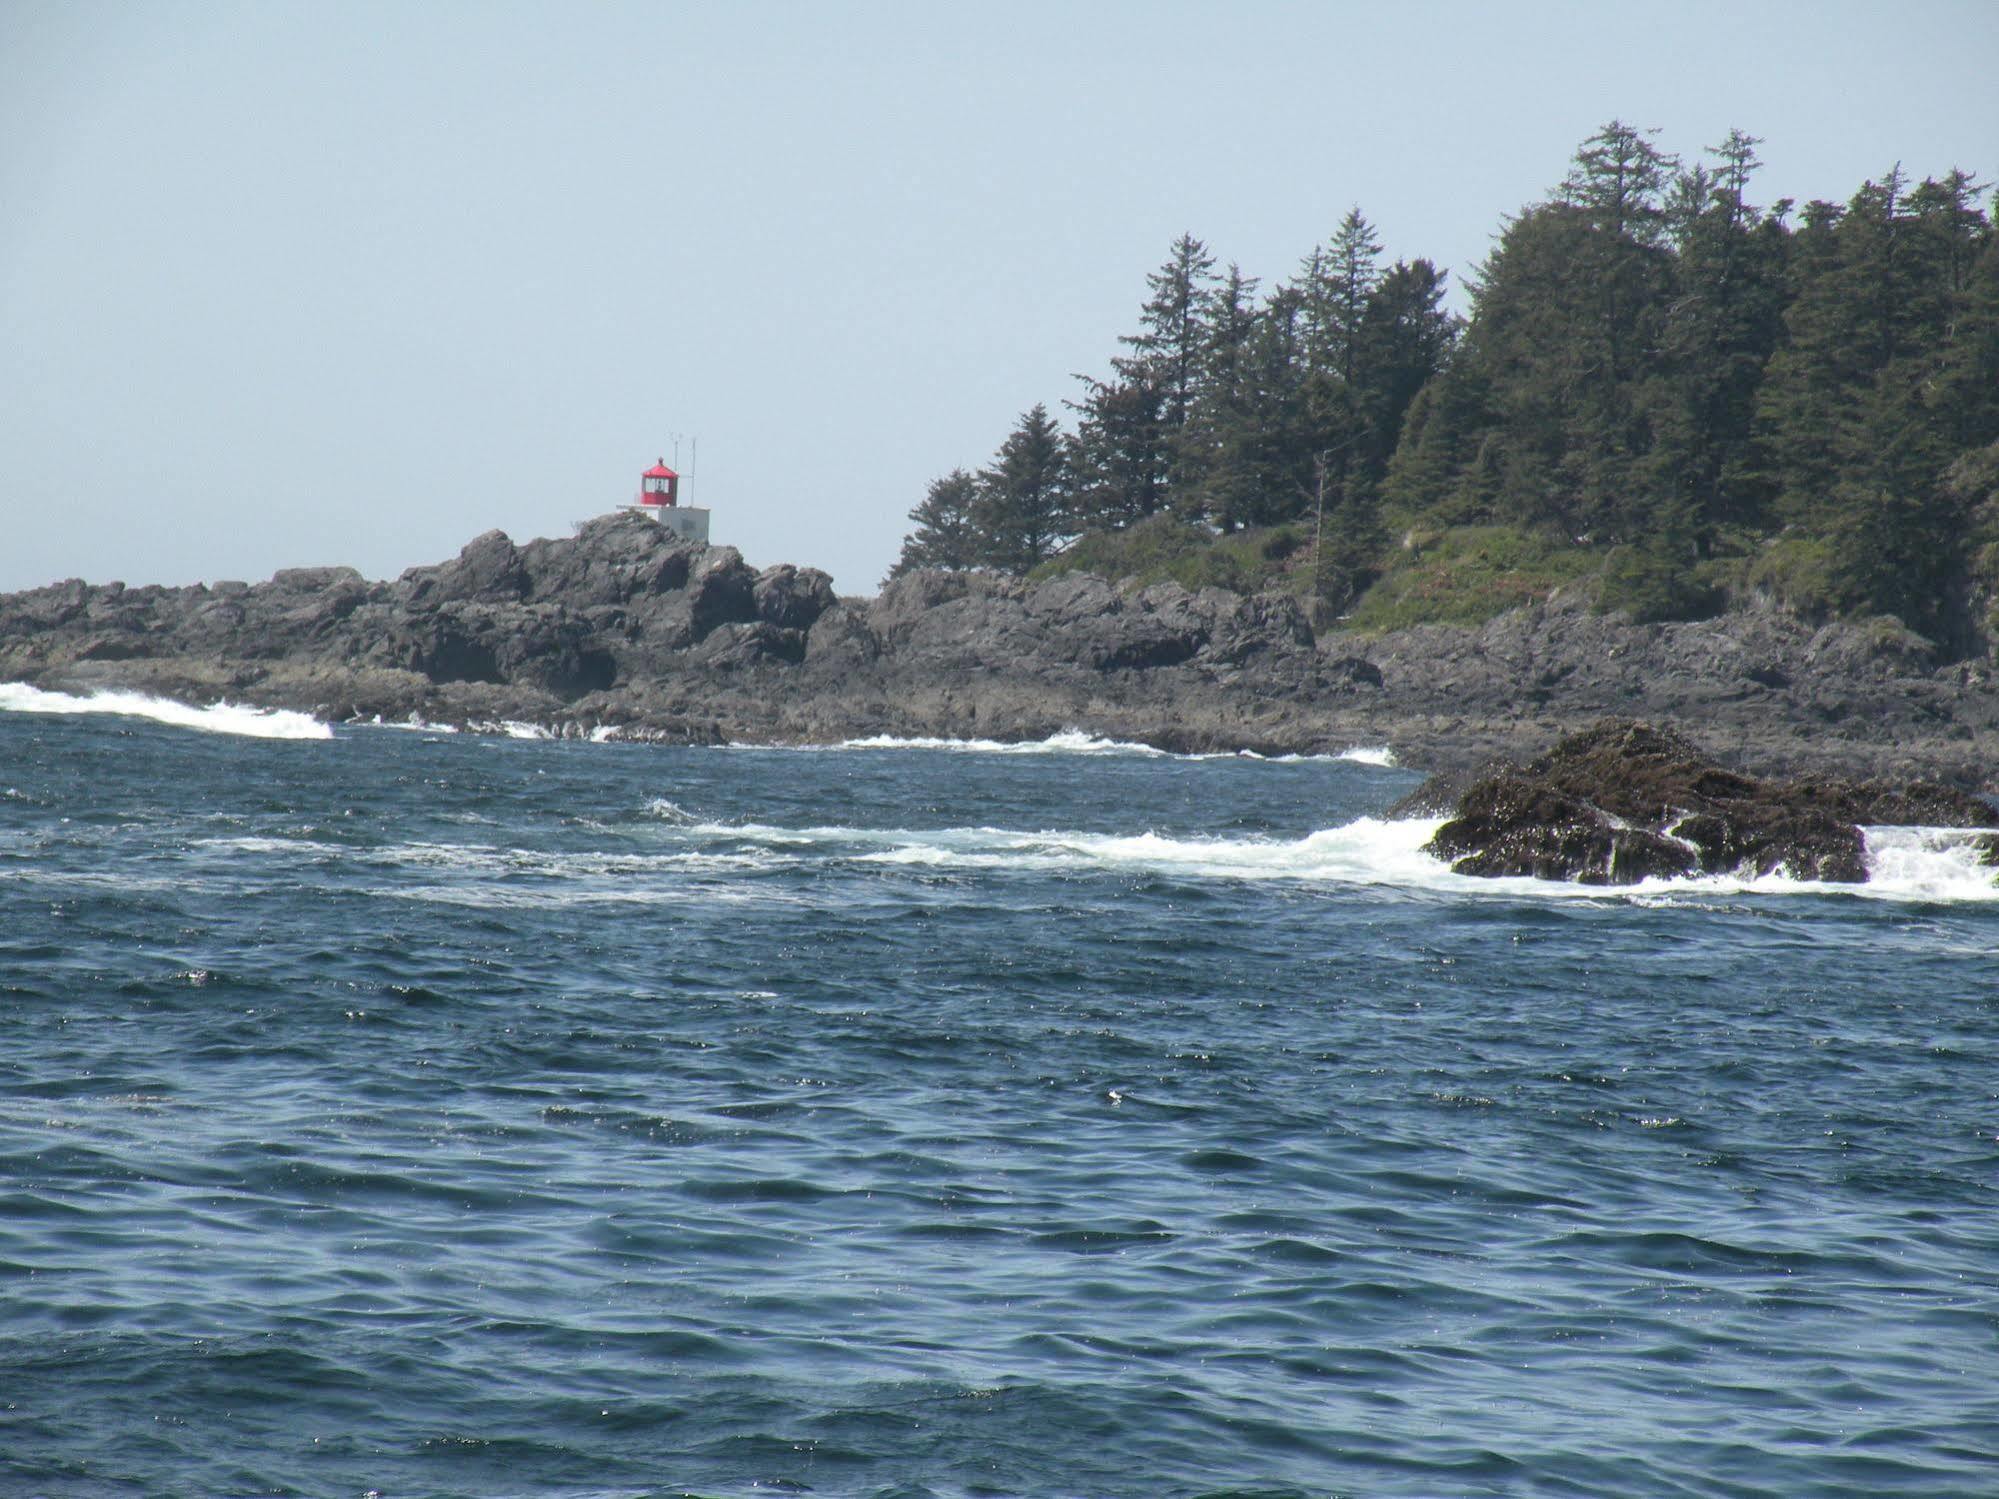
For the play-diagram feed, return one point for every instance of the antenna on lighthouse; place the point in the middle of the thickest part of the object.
(693, 451)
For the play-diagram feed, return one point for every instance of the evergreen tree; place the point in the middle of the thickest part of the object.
(1208, 447)
(1401, 342)
(1341, 278)
(1617, 180)
(1621, 285)
(1810, 383)
(1957, 325)
(945, 535)
(1431, 455)
(1346, 540)
(1866, 406)
(1564, 334)
(1260, 438)
(1336, 284)
(1654, 368)
(1022, 509)
(1119, 457)
(1169, 352)
(1718, 333)
(1532, 353)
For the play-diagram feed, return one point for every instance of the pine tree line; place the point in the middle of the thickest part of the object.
(1654, 368)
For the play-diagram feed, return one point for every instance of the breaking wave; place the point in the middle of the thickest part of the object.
(1078, 742)
(693, 860)
(1918, 864)
(1068, 742)
(218, 718)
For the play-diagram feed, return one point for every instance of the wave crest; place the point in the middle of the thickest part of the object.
(1080, 742)
(217, 718)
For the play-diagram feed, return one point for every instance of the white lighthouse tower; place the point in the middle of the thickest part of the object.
(659, 498)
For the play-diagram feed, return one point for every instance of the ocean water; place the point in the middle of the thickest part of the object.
(411, 1113)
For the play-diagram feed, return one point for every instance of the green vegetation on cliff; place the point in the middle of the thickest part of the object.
(1662, 390)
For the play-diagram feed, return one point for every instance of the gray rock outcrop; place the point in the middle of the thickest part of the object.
(624, 625)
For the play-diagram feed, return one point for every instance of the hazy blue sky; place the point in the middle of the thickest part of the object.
(288, 283)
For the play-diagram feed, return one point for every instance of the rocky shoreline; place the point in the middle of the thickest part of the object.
(622, 629)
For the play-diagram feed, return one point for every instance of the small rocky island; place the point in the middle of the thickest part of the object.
(627, 630)
(1623, 802)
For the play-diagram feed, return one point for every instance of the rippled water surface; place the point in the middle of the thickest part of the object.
(460, 1115)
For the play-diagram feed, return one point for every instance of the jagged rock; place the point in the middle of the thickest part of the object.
(1355, 670)
(1623, 802)
(910, 603)
(50, 608)
(455, 644)
(792, 597)
(308, 579)
(1087, 621)
(842, 637)
(720, 591)
(734, 646)
(1264, 623)
(489, 570)
(115, 648)
(611, 560)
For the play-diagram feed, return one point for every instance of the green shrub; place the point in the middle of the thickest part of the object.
(1161, 549)
(1800, 574)
(1649, 584)
(1467, 574)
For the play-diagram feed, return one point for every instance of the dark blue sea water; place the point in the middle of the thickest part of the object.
(441, 1115)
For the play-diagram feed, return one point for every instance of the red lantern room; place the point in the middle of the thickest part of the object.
(660, 485)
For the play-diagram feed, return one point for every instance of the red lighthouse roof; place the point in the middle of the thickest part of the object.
(660, 471)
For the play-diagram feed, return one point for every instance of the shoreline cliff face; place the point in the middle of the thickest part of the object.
(624, 627)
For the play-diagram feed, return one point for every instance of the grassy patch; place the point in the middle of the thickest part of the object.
(1467, 574)
(1459, 575)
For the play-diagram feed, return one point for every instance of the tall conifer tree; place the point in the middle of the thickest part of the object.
(945, 535)
(1022, 511)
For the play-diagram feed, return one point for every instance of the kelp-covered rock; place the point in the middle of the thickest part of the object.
(1623, 802)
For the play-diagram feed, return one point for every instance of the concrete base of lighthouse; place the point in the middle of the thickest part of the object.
(688, 522)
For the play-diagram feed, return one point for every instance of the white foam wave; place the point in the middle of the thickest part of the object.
(1370, 851)
(501, 728)
(1068, 742)
(1905, 864)
(512, 728)
(270, 846)
(489, 897)
(1079, 742)
(1378, 755)
(218, 718)
(707, 862)
(1927, 864)
(413, 724)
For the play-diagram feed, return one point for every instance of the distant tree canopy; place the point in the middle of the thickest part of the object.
(1653, 367)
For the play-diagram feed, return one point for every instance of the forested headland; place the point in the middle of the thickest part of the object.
(1663, 394)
